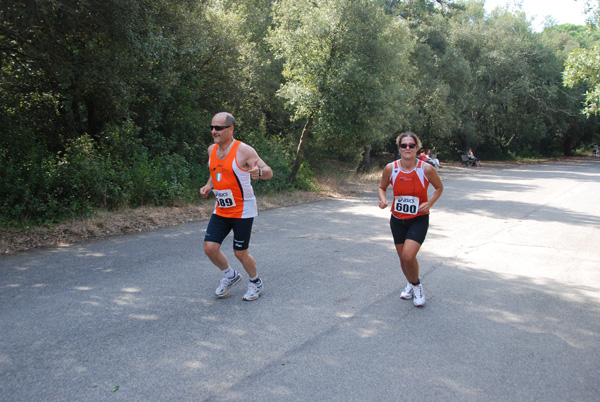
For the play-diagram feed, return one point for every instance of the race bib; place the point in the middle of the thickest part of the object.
(406, 204)
(224, 198)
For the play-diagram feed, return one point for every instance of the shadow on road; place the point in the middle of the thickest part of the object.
(139, 312)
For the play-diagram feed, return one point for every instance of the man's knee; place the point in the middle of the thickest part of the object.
(241, 255)
(211, 248)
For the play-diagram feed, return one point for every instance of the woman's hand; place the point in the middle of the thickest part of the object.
(424, 207)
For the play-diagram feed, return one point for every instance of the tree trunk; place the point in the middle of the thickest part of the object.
(365, 165)
(93, 122)
(567, 143)
(300, 150)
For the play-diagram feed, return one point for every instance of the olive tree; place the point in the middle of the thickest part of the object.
(345, 68)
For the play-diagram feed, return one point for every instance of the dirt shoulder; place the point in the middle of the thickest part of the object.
(115, 223)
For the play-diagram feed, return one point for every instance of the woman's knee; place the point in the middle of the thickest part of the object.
(409, 259)
(409, 255)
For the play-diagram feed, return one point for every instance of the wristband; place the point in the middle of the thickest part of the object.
(259, 172)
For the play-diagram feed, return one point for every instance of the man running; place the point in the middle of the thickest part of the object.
(232, 165)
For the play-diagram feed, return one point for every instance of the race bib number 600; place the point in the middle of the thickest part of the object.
(406, 205)
(224, 198)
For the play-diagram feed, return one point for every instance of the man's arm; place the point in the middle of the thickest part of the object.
(250, 160)
(205, 190)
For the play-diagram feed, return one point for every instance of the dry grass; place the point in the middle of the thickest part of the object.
(106, 224)
(338, 181)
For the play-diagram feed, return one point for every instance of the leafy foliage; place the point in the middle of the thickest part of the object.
(583, 66)
(106, 103)
(346, 70)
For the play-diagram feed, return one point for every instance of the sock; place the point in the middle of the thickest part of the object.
(256, 279)
(229, 273)
(416, 284)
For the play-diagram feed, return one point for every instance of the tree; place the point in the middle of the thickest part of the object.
(132, 81)
(583, 66)
(344, 64)
(439, 71)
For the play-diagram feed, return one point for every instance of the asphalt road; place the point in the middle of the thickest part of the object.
(510, 268)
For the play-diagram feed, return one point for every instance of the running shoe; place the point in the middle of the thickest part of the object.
(227, 284)
(419, 296)
(407, 293)
(254, 289)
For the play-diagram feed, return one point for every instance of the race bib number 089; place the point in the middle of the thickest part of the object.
(224, 198)
(406, 205)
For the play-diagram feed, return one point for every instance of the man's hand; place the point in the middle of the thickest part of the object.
(205, 191)
(255, 172)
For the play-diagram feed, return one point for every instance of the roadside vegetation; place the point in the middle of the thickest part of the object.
(343, 181)
(105, 106)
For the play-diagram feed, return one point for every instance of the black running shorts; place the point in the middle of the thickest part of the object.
(219, 227)
(413, 229)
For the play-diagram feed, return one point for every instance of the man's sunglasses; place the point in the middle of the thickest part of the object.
(218, 128)
(411, 146)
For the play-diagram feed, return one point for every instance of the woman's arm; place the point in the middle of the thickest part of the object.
(383, 185)
(434, 178)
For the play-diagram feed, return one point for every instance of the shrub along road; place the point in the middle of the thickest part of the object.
(509, 267)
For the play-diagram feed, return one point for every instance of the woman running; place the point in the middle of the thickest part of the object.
(410, 178)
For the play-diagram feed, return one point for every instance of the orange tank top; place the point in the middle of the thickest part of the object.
(410, 190)
(231, 185)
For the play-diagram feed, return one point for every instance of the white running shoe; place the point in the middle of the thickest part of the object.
(407, 293)
(227, 284)
(254, 289)
(419, 296)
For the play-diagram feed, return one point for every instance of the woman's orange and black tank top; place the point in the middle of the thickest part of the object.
(410, 190)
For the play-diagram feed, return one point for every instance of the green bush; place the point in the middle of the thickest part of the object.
(38, 187)
(305, 179)
(271, 150)
(21, 182)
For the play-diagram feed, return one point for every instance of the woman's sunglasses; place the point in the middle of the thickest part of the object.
(411, 146)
